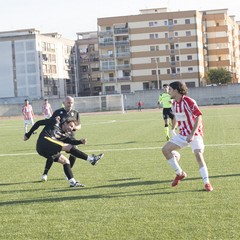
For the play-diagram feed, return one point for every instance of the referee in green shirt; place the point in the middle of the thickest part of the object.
(166, 101)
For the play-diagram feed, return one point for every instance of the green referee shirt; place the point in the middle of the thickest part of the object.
(165, 99)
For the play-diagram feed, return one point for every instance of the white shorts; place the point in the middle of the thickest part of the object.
(196, 143)
(47, 116)
(28, 122)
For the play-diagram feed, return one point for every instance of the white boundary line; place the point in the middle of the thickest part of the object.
(123, 149)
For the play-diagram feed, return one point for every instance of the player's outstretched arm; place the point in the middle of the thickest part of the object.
(37, 125)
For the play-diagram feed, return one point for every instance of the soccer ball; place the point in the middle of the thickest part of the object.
(176, 155)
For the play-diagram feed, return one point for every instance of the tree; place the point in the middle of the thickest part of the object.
(218, 76)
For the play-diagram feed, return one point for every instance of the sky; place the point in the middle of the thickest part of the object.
(67, 17)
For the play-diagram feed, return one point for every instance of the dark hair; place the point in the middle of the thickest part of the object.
(180, 87)
(165, 85)
(68, 120)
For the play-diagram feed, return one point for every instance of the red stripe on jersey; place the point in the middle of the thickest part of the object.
(186, 111)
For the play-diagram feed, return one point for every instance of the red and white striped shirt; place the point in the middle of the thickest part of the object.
(27, 112)
(186, 111)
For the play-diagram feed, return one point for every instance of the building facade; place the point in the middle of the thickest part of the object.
(88, 64)
(145, 51)
(125, 54)
(36, 66)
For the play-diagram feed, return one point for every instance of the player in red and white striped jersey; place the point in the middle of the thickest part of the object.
(28, 115)
(188, 117)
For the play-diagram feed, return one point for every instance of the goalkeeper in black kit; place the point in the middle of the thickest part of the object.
(56, 137)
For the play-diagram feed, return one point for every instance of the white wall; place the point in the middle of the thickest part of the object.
(6, 70)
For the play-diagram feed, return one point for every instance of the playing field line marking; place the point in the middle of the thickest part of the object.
(123, 149)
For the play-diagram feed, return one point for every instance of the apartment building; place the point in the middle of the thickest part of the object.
(35, 65)
(145, 51)
(88, 64)
(221, 42)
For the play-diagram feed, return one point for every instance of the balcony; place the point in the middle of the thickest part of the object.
(120, 31)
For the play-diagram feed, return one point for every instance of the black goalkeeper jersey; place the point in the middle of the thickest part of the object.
(52, 130)
(63, 114)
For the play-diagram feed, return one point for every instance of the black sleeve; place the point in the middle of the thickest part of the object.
(72, 141)
(39, 123)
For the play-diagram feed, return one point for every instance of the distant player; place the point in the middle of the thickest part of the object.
(47, 109)
(189, 119)
(166, 101)
(28, 115)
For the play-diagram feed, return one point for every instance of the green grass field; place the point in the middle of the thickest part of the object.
(128, 194)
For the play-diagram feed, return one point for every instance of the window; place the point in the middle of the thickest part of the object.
(187, 21)
(189, 57)
(151, 36)
(152, 48)
(30, 46)
(175, 21)
(154, 60)
(30, 57)
(177, 58)
(152, 24)
(125, 88)
(189, 45)
(19, 46)
(168, 71)
(176, 34)
(154, 72)
(166, 35)
(145, 86)
(167, 47)
(109, 88)
(190, 69)
(31, 68)
(188, 33)
(165, 23)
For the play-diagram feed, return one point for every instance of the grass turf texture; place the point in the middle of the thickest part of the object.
(128, 194)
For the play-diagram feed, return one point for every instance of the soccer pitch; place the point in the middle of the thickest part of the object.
(128, 194)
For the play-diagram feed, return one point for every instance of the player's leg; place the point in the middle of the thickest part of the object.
(68, 171)
(168, 149)
(93, 159)
(25, 123)
(47, 167)
(198, 150)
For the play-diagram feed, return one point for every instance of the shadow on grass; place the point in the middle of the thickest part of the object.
(135, 193)
(94, 196)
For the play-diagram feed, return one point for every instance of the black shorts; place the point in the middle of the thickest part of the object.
(49, 148)
(167, 113)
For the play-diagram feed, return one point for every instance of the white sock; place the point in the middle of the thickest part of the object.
(89, 158)
(204, 173)
(72, 181)
(175, 166)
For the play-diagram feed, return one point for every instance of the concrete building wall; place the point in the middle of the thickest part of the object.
(220, 95)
